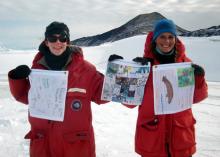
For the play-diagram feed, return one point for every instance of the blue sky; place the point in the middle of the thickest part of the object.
(23, 22)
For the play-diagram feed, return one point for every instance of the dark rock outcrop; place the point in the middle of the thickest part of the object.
(139, 25)
(211, 31)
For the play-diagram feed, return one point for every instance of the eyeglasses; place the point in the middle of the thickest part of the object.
(54, 39)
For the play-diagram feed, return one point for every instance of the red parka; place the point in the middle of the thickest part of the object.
(157, 133)
(74, 136)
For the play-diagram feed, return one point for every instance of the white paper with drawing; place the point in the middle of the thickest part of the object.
(173, 87)
(125, 81)
(47, 94)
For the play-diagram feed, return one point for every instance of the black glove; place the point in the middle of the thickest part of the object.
(20, 72)
(143, 60)
(114, 57)
(198, 70)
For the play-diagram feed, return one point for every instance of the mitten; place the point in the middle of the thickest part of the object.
(198, 70)
(20, 72)
(114, 57)
(143, 60)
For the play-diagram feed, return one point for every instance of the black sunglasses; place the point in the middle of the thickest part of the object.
(53, 39)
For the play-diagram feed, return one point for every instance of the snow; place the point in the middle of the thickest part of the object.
(114, 124)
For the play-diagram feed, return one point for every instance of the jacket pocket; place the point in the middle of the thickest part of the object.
(76, 136)
(77, 144)
(77, 99)
(183, 132)
(38, 144)
(149, 137)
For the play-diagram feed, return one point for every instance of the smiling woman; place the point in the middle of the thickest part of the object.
(74, 134)
(171, 135)
(57, 38)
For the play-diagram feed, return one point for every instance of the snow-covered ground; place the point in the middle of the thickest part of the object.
(114, 124)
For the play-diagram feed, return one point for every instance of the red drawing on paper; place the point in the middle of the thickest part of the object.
(169, 87)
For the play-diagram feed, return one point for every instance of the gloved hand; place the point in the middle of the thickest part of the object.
(198, 70)
(20, 72)
(143, 60)
(114, 57)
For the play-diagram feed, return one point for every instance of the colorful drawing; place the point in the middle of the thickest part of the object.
(185, 77)
(173, 88)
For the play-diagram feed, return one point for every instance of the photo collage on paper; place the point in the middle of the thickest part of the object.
(125, 82)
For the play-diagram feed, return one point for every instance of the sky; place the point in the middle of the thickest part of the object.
(23, 22)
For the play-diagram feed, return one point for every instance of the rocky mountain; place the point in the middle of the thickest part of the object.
(139, 25)
(211, 31)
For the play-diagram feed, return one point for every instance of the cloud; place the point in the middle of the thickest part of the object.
(28, 19)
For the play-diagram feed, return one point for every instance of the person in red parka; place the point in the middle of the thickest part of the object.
(73, 137)
(169, 135)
